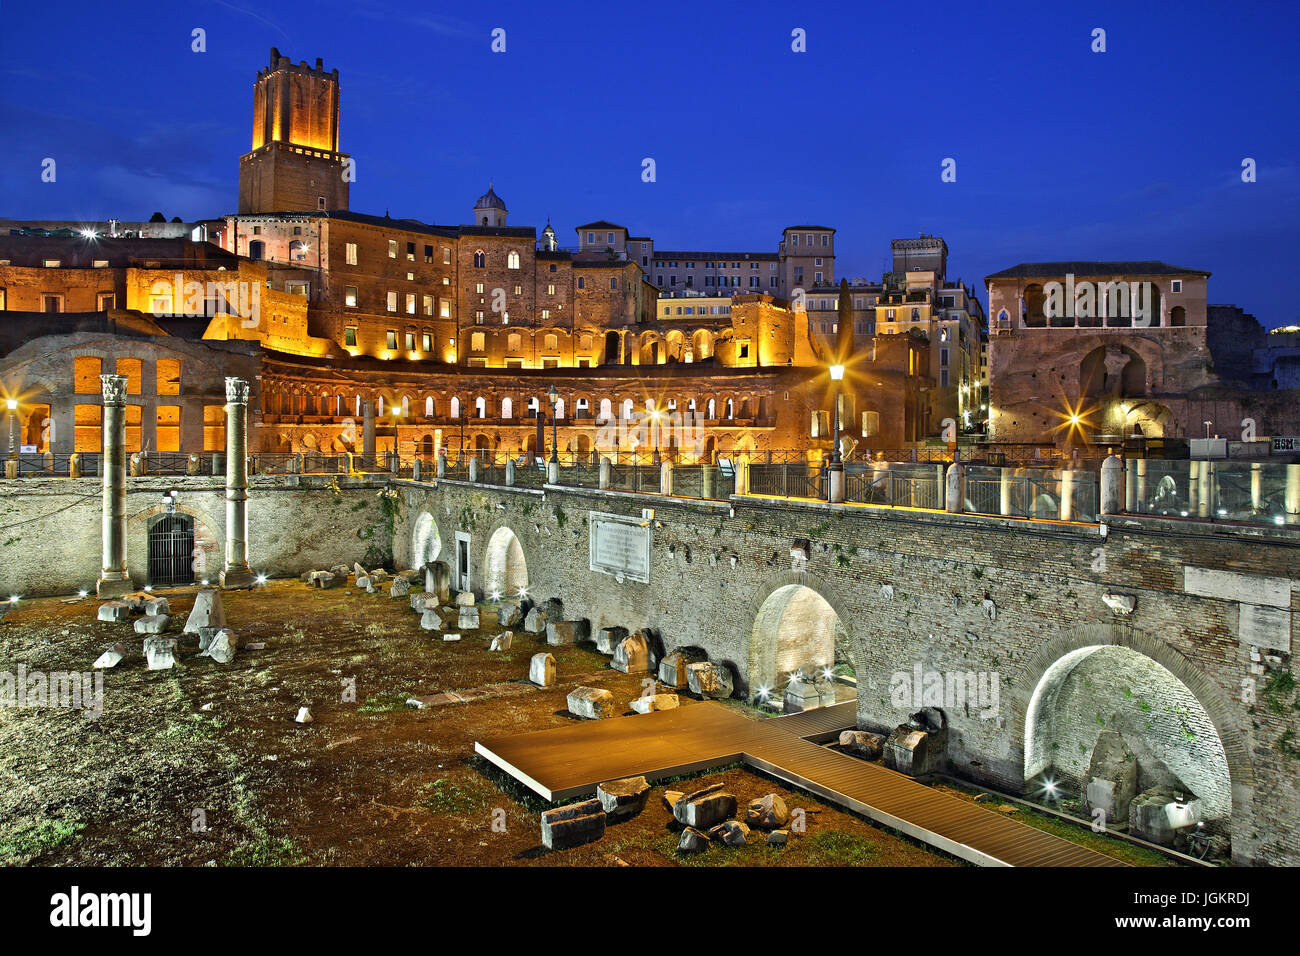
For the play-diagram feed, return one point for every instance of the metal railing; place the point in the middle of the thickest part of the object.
(1039, 493)
(788, 479)
(900, 484)
(1219, 490)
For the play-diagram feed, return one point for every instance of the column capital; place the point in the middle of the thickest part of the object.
(114, 387)
(236, 391)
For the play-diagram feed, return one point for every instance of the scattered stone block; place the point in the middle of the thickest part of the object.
(358, 571)
(632, 655)
(574, 825)
(692, 841)
(468, 619)
(709, 680)
(221, 648)
(731, 833)
(152, 624)
(400, 588)
(115, 611)
(541, 669)
(136, 600)
(778, 838)
(915, 752)
(671, 797)
(648, 703)
(112, 656)
(1112, 779)
(207, 612)
(437, 580)
(801, 695)
(705, 808)
(535, 622)
(509, 615)
(767, 813)
(592, 703)
(608, 639)
(431, 620)
(466, 599)
(567, 632)
(502, 641)
(672, 669)
(553, 609)
(862, 743)
(160, 653)
(378, 576)
(623, 798)
(304, 716)
(424, 601)
(1156, 815)
(326, 580)
(363, 581)
(156, 606)
(451, 637)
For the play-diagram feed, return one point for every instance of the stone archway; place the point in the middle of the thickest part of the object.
(797, 626)
(505, 571)
(426, 542)
(1202, 744)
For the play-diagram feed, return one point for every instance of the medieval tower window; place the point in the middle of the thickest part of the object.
(512, 260)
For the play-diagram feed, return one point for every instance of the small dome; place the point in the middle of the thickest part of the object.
(490, 200)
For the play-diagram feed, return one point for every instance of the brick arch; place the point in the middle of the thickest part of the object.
(764, 643)
(1240, 769)
(505, 564)
(1093, 634)
(209, 540)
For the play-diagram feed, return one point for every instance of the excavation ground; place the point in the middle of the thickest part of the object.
(204, 764)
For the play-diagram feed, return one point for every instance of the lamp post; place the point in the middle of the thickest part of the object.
(654, 425)
(11, 405)
(835, 491)
(1207, 429)
(553, 467)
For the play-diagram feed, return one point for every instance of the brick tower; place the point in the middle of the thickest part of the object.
(294, 165)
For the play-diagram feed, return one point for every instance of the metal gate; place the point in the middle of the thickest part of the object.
(171, 550)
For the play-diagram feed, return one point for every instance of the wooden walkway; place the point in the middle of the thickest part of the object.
(570, 761)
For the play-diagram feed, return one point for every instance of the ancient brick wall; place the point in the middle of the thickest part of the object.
(954, 594)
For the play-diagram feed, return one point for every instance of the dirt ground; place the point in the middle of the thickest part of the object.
(158, 780)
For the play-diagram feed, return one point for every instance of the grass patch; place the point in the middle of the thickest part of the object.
(446, 796)
(267, 850)
(26, 842)
(385, 703)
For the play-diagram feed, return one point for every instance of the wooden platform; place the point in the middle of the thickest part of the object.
(570, 761)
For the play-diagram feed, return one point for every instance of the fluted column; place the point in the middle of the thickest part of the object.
(113, 579)
(236, 573)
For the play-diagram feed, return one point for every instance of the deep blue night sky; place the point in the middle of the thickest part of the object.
(1061, 153)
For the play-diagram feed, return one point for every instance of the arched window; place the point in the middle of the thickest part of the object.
(1177, 316)
(513, 341)
(552, 343)
(406, 407)
(381, 406)
(559, 408)
(507, 408)
(731, 410)
(454, 407)
(428, 407)
(480, 407)
(480, 259)
(627, 408)
(713, 410)
(257, 249)
(512, 260)
(606, 410)
(297, 251)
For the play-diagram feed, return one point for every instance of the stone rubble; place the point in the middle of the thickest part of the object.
(160, 653)
(593, 703)
(207, 612)
(624, 798)
(574, 825)
(112, 656)
(541, 669)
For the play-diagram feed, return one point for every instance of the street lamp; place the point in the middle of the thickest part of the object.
(1207, 429)
(835, 471)
(837, 376)
(553, 396)
(654, 424)
(12, 405)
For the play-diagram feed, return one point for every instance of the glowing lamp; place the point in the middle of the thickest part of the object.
(837, 373)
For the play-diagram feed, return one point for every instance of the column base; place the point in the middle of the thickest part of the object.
(235, 579)
(111, 587)
(835, 485)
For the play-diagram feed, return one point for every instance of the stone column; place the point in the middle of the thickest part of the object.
(237, 573)
(1292, 499)
(1209, 493)
(1256, 487)
(1112, 486)
(1130, 486)
(1193, 486)
(666, 478)
(1067, 495)
(708, 475)
(1004, 490)
(606, 473)
(510, 472)
(113, 579)
(955, 499)
(367, 435)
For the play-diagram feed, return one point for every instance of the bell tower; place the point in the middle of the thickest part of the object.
(294, 164)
